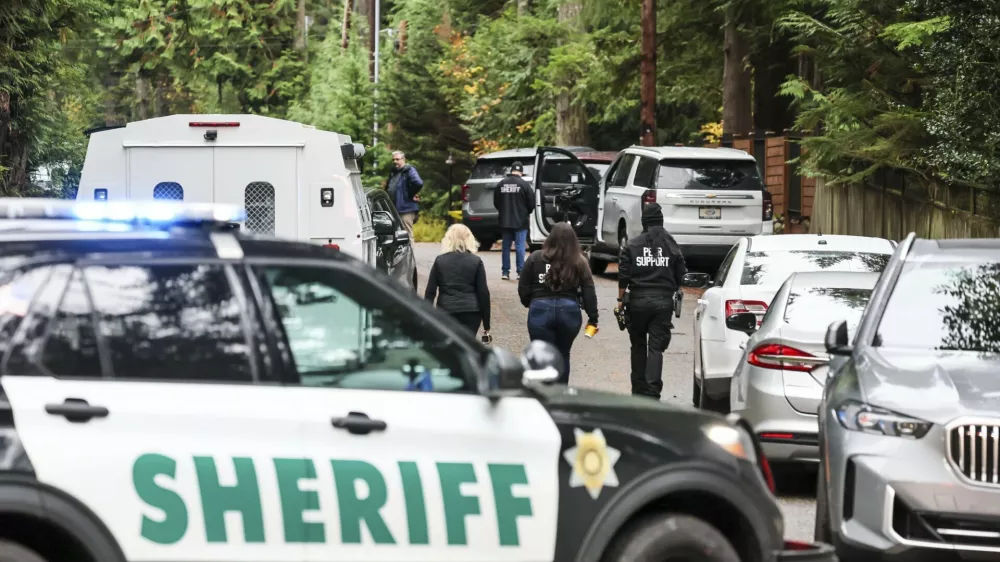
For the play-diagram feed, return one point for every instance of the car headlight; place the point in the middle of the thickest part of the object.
(733, 440)
(857, 416)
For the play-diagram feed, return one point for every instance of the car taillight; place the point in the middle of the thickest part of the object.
(756, 307)
(333, 246)
(767, 210)
(649, 196)
(776, 356)
(465, 193)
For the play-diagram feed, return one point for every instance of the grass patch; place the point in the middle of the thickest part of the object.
(429, 230)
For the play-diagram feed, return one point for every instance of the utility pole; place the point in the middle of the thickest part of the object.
(647, 95)
(376, 34)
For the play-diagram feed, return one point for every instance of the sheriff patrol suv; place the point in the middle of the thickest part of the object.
(175, 390)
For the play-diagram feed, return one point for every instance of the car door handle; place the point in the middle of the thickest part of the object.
(77, 410)
(358, 423)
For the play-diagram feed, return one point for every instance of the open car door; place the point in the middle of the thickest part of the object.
(566, 190)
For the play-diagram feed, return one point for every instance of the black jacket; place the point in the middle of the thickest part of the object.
(532, 286)
(458, 281)
(514, 200)
(651, 264)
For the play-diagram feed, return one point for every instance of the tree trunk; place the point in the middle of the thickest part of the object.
(403, 25)
(299, 44)
(523, 7)
(736, 84)
(111, 116)
(345, 30)
(142, 97)
(571, 117)
(647, 93)
(371, 39)
(772, 112)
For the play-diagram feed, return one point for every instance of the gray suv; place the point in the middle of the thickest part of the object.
(478, 212)
(909, 422)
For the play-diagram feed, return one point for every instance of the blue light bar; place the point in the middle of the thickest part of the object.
(143, 212)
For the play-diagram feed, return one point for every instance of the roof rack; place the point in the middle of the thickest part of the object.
(133, 212)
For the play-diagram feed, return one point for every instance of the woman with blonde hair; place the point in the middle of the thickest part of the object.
(458, 280)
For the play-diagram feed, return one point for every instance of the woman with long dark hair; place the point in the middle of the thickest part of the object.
(554, 282)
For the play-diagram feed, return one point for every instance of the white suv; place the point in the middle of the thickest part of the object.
(711, 197)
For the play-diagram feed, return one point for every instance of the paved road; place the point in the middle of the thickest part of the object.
(602, 363)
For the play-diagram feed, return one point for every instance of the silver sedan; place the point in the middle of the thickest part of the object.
(778, 383)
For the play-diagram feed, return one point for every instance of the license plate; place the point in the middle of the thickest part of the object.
(709, 212)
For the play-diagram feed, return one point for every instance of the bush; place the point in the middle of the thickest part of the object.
(429, 230)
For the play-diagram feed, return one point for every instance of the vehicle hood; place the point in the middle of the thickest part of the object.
(936, 386)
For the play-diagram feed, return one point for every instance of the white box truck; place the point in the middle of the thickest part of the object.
(294, 180)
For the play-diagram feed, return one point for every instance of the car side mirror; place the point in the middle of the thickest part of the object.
(540, 362)
(745, 322)
(836, 340)
(696, 280)
(402, 237)
(382, 223)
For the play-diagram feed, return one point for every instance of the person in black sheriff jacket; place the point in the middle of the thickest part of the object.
(650, 268)
(458, 280)
(514, 200)
(556, 280)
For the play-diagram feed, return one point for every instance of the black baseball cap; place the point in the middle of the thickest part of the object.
(517, 166)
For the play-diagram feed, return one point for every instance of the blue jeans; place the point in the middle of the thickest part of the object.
(520, 239)
(557, 321)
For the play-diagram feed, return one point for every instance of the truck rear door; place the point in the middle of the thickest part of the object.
(170, 173)
(264, 181)
(709, 196)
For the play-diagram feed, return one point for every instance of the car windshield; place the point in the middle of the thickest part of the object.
(944, 305)
(497, 168)
(734, 175)
(821, 306)
(773, 268)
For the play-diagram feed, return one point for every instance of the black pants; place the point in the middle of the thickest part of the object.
(470, 320)
(649, 334)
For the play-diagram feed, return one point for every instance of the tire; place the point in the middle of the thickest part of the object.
(622, 238)
(13, 552)
(414, 280)
(486, 245)
(821, 530)
(705, 402)
(598, 267)
(673, 537)
(695, 392)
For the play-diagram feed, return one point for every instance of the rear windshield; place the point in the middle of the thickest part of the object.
(821, 306)
(598, 169)
(733, 175)
(497, 168)
(944, 305)
(773, 268)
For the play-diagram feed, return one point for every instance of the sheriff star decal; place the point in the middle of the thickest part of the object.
(592, 461)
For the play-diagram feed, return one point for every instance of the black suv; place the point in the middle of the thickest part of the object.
(160, 372)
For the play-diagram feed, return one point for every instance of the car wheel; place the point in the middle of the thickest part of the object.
(822, 532)
(670, 536)
(414, 279)
(598, 267)
(486, 245)
(13, 552)
(622, 238)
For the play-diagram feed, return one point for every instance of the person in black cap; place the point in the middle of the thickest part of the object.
(514, 200)
(650, 268)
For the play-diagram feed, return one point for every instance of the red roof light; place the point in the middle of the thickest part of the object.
(214, 124)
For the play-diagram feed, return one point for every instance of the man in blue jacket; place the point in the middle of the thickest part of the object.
(403, 186)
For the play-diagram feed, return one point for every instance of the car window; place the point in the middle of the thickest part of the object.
(735, 175)
(497, 168)
(343, 334)
(598, 169)
(645, 173)
(559, 169)
(623, 170)
(818, 307)
(944, 305)
(727, 263)
(773, 268)
(20, 332)
(170, 322)
(71, 345)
